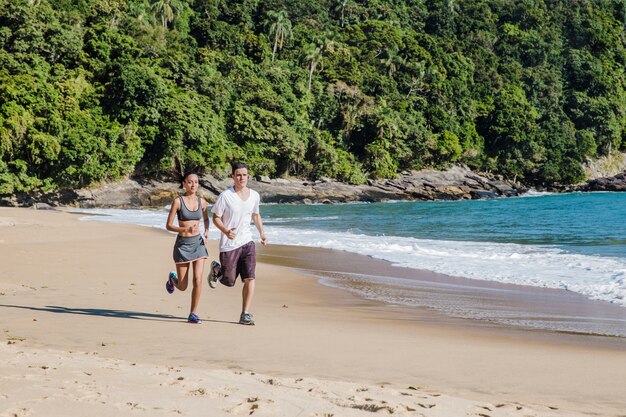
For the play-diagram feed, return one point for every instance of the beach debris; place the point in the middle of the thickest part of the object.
(372, 408)
(14, 339)
(198, 392)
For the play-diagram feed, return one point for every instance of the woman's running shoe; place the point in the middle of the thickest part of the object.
(193, 318)
(172, 280)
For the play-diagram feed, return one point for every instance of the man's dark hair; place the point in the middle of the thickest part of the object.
(238, 165)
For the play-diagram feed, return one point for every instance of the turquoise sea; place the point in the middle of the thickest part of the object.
(574, 241)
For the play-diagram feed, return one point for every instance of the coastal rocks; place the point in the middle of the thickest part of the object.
(615, 183)
(606, 166)
(123, 194)
(456, 183)
(128, 193)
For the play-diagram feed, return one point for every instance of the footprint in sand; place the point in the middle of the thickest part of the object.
(131, 405)
(203, 392)
(17, 412)
(251, 406)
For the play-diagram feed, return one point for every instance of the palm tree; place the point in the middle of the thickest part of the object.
(313, 57)
(163, 9)
(280, 28)
(342, 6)
(385, 124)
(393, 60)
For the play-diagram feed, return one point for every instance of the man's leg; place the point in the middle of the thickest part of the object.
(247, 294)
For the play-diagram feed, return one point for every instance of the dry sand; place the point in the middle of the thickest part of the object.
(88, 330)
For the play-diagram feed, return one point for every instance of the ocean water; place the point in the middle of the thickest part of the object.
(574, 241)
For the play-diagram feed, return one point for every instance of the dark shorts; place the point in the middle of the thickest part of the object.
(238, 262)
(189, 249)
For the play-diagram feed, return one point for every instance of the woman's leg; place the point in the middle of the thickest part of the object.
(196, 292)
(183, 276)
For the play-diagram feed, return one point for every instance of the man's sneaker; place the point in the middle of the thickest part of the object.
(246, 318)
(214, 274)
(172, 280)
(193, 318)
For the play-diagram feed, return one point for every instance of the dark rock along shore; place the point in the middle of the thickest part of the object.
(456, 183)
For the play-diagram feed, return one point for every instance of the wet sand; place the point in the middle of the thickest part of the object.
(492, 302)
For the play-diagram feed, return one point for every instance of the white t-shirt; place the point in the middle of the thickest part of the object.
(236, 213)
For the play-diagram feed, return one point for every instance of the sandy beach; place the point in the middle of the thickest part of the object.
(89, 330)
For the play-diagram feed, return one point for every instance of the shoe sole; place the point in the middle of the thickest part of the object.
(169, 286)
(212, 277)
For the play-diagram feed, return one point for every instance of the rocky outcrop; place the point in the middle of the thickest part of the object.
(607, 173)
(606, 166)
(615, 183)
(457, 183)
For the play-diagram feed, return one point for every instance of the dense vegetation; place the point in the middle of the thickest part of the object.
(94, 90)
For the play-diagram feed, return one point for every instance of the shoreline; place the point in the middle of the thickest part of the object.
(87, 322)
(532, 303)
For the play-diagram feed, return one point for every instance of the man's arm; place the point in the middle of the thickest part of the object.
(230, 233)
(258, 222)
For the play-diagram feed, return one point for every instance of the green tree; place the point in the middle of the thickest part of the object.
(313, 56)
(164, 10)
(392, 60)
(279, 29)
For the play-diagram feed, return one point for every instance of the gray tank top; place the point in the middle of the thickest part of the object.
(185, 214)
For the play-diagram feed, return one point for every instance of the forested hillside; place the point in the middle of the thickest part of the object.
(94, 90)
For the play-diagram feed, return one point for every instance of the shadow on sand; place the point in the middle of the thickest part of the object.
(101, 312)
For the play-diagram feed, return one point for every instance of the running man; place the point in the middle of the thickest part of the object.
(233, 212)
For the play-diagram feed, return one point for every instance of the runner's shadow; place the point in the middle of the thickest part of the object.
(220, 321)
(120, 314)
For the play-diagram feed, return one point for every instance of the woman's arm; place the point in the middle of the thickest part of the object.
(205, 218)
(169, 225)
